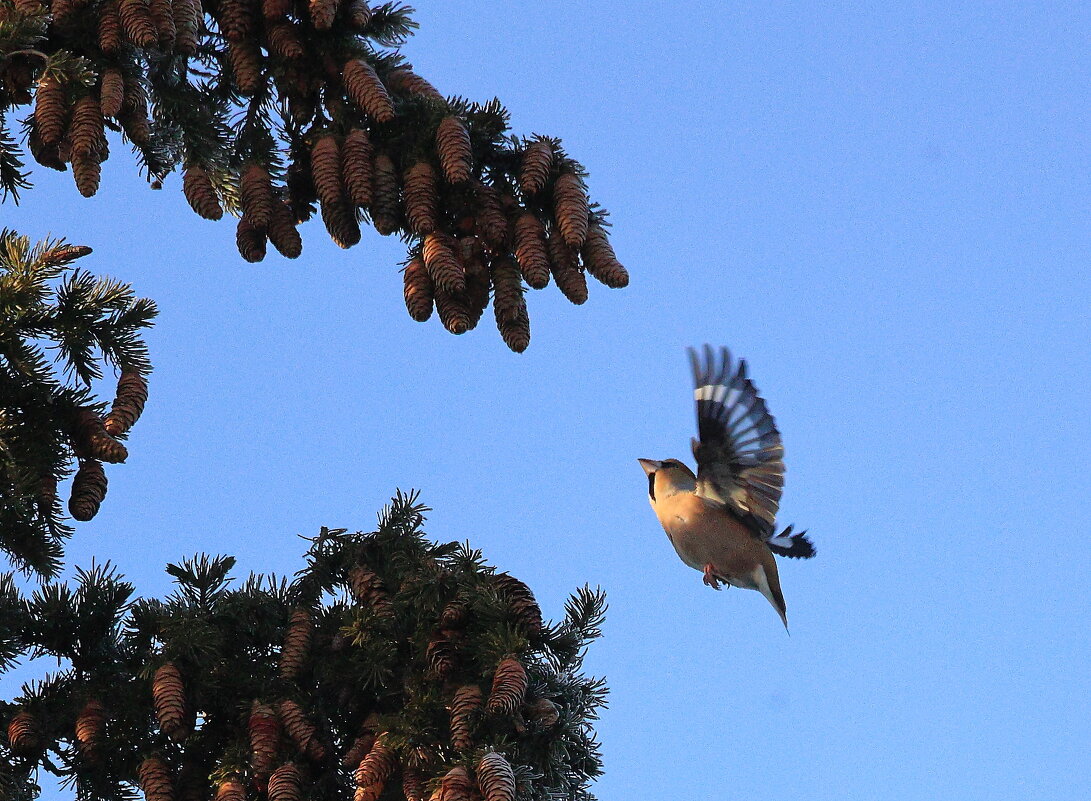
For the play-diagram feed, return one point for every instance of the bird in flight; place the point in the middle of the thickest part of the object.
(721, 521)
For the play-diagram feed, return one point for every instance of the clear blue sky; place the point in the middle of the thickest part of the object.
(884, 207)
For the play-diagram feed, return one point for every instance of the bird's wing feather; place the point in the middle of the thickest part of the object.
(740, 458)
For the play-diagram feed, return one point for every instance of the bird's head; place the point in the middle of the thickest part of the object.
(667, 477)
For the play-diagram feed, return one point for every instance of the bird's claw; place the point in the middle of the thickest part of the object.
(709, 578)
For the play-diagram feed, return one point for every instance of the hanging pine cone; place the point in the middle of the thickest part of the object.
(89, 725)
(169, 696)
(447, 274)
(264, 730)
(155, 780)
(341, 224)
(386, 207)
(50, 110)
(367, 588)
(524, 607)
(465, 706)
(358, 750)
(109, 28)
(162, 16)
(250, 240)
(507, 298)
(530, 250)
(322, 13)
(326, 169)
(496, 778)
(284, 39)
(87, 173)
(112, 91)
(297, 643)
(376, 767)
(515, 331)
(442, 657)
(491, 224)
(197, 187)
(453, 312)
(478, 281)
(91, 438)
(456, 785)
(453, 616)
(407, 82)
(421, 198)
(419, 294)
(256, 195)
(357, 156)
(366, 90)
(509, 686)
(566, 271)
(246, 63)
(88, 490)
(188, 18)
(301, 730)
(570, 208)
(453, 147)
(237, 20)
(286, 783)
(599, 258)
(536, 165)
(412, 785)
(231, 790)
(137, 23)
(282, 231)
(134, 113)
(543, 712)
(129, 400)
(47, 492)
(357, 14)
(24, 739)
(86, 132)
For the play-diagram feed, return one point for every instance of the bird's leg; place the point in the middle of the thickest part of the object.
(710, 579)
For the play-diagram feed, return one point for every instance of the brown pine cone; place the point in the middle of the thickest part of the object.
(87, 173)
(509, 686)
(465, 705)
(282, 231)
(491, 224)
(188, 20)
(523, 604)
(286, 783)
(412, 785)
(297, 643)
(264, 730)
(322, 13)
(367, 588)
(112, 91)
(366, 90)
(169, 696)
(155, 780)
(284, 39)
(357, 157)
(421, 198)
(530, 250)
(231, 790)
(599, 258)
(137, 23)
(64, 254)
(507, 298)
(89, 725)
(536, 165)
(566, 271)
(46, 155)
(570, 208)
(418, 290)
(407, 82)
(47, 491)
(134, 113)
(478, 281)
(301, 730)
(88, 490)
(275, 9)
(357, 14)
(544, 712)
(377, 766)
(496, 778)
(453, 616)
(91, 438)
(453, 147)
(358, 750)
(453, 312)
(301, 192)
(341, 224)
(442, 657)
(250, 240)
(162, 17)
(515, 331)
(456, 785)
(238, 20)
(256, 195)
(326, 169)
(86, 132)
(109, 28)
(50, 110)
(24, 737)
(386, 206)
(198, 190)
(447, 274)
(246, 63)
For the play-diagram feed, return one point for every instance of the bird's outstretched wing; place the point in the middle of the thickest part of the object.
(740, 458)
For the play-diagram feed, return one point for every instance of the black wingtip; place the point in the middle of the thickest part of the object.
(793, 546)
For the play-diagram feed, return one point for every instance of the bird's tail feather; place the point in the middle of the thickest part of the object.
(794, 546)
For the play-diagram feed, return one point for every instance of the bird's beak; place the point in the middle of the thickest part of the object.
(649, 465)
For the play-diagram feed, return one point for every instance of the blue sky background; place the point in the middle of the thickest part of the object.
(884, 207)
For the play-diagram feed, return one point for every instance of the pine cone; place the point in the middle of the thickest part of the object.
(407, 82)
(478, 281)
(442, 657)
(358, 750)
(453, 616)
(326, 170)
(366, 90)
(129, 400)
(89, 725)
(491, 225)
(421, 198)
(367, 588)
(386, 207)
(301, 730)
(357, 14)
(91, 438)
(570, 208)
(447, 274)
(264, 730)
(256, 195)
(341, 224)
(286, 783)
(523, 605)
(453, 311)
(50, 110)
(134, 113)
(136, 21)
(297, 643)
(376, 767)
(86, 133)
(412, 785)
(456, 785)
(419, 294)
(509, 686)
(109, 28)
(162, 17)
(357, 156)
(282, 231)
(188, 20)
(238, 20)
(515, 331)
(87, 173)
(323, 13)
(544, 712)
(88, 490)
(465, 705)
(301, 192)
(169, 696)
(198, 190)
(453, 147)
(566, 271)
(599, 258)
(535, 168)
(246, 63)
(24, 738)
(530, 250)
(275, 9)
(507, 298)
(496, 778)
(112, 91)
(284, 39)
(155, 780)
(250, 240)
(231, 790)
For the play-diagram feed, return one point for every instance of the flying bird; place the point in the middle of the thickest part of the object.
(721, 521)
